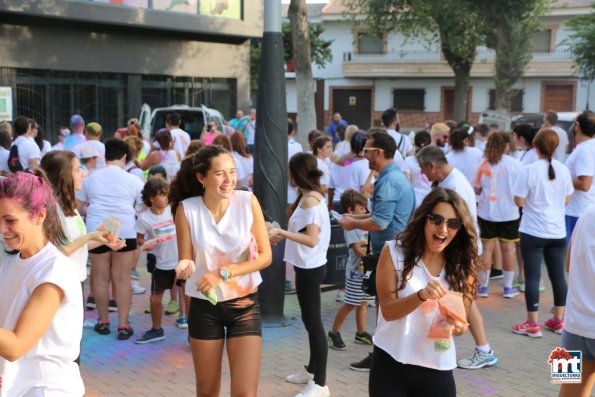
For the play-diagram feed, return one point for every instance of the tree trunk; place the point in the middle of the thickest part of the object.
(306, 111)
(462, 73)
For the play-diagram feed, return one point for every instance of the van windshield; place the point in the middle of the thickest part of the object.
(192, 122)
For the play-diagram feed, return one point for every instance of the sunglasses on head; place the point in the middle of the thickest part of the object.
(438, 220)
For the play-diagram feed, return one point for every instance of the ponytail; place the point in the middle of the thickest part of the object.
(550, 170)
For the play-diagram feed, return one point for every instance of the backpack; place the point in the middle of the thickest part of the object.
(14, 161)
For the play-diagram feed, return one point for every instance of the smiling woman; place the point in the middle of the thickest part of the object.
(41, 306)
(437, 252)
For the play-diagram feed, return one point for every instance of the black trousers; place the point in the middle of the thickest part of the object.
(307, 285)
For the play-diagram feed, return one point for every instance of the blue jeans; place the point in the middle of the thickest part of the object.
(553, 252)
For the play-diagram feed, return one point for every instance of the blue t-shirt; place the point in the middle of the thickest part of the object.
(392, 205)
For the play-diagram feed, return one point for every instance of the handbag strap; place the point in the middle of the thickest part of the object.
(368, 245)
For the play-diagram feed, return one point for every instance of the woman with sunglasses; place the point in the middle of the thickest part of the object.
(437, 252)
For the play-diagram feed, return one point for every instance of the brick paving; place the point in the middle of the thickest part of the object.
(123, 368)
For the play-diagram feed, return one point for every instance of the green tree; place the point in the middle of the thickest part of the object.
(320, 50)
(509, 26)
(582, 43)
(453, 24)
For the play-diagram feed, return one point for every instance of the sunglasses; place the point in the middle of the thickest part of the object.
(370, 149)
(438, 220)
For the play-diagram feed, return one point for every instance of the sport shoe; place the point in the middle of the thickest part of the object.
(339, 297)
(510, 292)
(362, 365)
(530, 329)
(289, 288)
(300, 377)
(182, 322)
(125, 333)
(172, 307)
(335, 341)
(137, 289)
(102, 327)
(314, 390)
(478, 359)
(148, 308)
(112, 306)
(496, 274)
(364, 338)
(134, 274)
(152, 335)
(519, 283)
(90, 305)
(482, 292)
(541, 286)
(553, 324)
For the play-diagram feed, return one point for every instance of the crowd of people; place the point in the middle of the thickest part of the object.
(428, 220)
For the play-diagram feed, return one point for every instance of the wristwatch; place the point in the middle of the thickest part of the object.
(224, 273)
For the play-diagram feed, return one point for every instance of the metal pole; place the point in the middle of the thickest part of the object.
(270, 155)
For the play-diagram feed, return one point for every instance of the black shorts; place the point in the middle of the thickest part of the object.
(151, 262)
(229, 319)
(162, 280)
(102, 249)
(505, 231)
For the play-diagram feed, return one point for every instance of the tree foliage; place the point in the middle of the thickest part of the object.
(508, 28)
(320, 50)
(452, 24)
(582, 43)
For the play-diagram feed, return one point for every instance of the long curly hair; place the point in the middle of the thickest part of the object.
(460, 255)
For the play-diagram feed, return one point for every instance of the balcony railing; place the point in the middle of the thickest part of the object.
(436, 57)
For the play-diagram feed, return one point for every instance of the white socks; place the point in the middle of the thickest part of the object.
(508, 278)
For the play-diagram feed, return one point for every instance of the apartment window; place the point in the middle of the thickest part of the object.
(368, 43)
(542, 41)
(516, 103)
(409, 99)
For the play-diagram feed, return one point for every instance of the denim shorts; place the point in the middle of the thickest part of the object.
(577, 342)
(228, 319)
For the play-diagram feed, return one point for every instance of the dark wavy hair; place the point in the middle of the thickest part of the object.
(57, 165)
(303, 169)
(496, 146)
(153, 187)
(358, 141)
(456, 139)
(460, 255)
(185, 184)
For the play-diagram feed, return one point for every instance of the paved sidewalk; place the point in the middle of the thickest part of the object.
(123, 368)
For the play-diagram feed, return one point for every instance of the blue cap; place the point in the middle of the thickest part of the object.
(76, 120)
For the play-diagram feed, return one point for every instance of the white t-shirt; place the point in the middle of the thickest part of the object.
(467, 161)
(250, 132)
(98, 146)
(543, 212)
(28, 150)
(579, 318)
(342, 148)
(293, 147)
(74, 227)
(134, 169)
(325, 179)
(247, 165)
(359, 172)
(49, 365)
(169, 161)
(528, 157)
(496, 202)
(421, 184)
(560, 153)
(111, 191)
(4, 153)
(396, 337)
(47, 147)
(181, 141)
(339, 180)
(458, 182)
(581, 162)
(403, 143)
(300, 255)
(219, 244)
(162, 229)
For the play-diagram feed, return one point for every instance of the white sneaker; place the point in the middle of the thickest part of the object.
(300, 377)
(314, 390)
(137, 289)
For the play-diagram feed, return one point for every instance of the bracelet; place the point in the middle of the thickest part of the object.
(419, 296)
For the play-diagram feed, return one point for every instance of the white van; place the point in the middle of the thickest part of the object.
(193, 119)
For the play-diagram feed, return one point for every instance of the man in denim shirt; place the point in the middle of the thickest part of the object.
(392, 202)
(393, 199)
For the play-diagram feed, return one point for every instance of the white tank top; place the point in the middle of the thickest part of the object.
(169, 161)
(219, 244)
(406, 339)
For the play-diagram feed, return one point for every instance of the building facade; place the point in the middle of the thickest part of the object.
(370, 74)
(104, 58)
